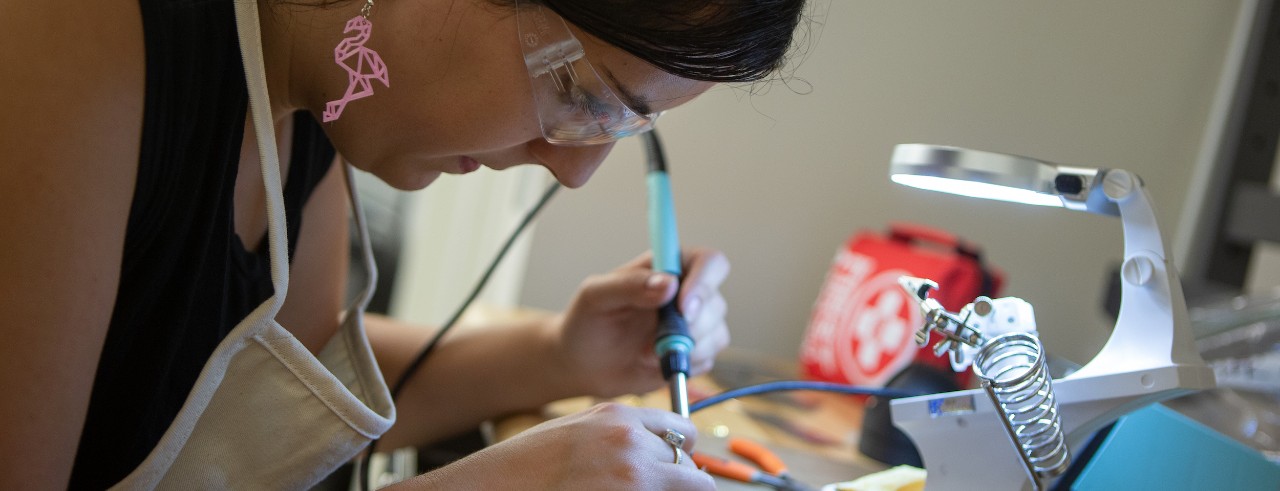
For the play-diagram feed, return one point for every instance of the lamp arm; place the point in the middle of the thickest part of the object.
(1152, 329)
(1151, 354)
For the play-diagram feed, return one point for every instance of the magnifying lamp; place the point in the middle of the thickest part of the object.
(1001, 177)
(1149, 357)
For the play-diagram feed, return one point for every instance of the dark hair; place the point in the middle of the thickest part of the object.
(711, 40)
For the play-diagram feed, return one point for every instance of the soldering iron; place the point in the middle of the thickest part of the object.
(673, 343)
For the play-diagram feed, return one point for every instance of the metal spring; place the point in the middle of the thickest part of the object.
(1012, 370)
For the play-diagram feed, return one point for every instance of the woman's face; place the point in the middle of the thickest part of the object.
(460, 96)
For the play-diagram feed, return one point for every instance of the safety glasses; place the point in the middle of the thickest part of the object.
(575, 107)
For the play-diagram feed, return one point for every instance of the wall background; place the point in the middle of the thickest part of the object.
(779, 179)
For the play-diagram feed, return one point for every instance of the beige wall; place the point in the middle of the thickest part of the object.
(778, 180)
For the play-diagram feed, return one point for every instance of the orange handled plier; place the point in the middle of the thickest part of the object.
(769, 470)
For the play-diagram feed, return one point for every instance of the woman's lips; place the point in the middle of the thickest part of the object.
(467, 164)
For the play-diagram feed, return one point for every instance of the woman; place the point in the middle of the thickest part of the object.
(136, 223)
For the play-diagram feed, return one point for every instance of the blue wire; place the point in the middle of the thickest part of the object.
(781, 385)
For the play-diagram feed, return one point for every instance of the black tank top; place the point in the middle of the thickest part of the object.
(186, 279)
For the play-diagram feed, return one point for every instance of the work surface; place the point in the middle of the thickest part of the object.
(815, 434)
(810, 468)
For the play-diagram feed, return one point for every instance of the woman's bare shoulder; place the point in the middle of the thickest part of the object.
(71, 114)
(72, 87)
(72, 67)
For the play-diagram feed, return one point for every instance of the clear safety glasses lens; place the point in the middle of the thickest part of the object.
(575, 107)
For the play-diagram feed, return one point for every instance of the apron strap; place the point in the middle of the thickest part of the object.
(361, 301)
(259, 104)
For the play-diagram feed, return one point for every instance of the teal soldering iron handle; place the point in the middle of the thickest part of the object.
(673, 343)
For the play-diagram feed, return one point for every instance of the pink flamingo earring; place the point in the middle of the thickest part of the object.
(363, 65)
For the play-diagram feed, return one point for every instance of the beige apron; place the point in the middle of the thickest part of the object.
(265, 413)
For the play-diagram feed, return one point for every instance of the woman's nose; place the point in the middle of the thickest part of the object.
(572, 166)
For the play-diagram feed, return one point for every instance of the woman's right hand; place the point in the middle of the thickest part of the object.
(610, 446)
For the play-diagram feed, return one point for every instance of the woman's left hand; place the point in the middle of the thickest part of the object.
(607, 333)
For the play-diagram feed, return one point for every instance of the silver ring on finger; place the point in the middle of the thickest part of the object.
(674, 437)
(676, 440)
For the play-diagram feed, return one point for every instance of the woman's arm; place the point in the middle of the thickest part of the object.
(70, 124)
(478, 372)
(318, 268)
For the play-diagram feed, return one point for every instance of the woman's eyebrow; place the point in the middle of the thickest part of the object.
(628, 97)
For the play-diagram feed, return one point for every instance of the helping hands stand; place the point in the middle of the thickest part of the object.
(1149, 357)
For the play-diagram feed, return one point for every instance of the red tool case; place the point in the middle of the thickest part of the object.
(862, 326)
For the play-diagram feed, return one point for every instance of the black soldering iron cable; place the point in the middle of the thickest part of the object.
(655, 158)
(475, 292)
(453, 320)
